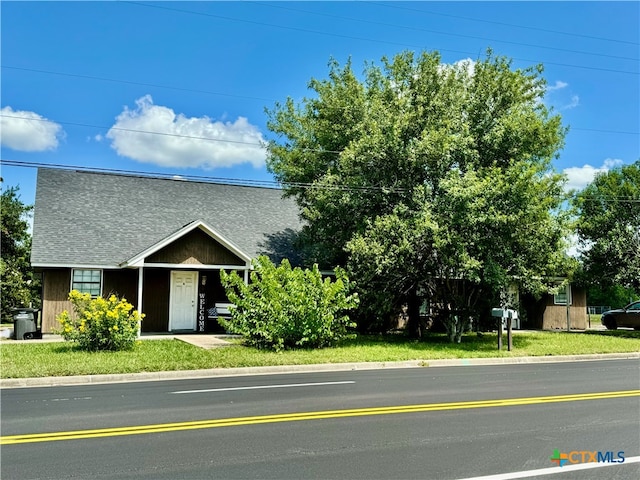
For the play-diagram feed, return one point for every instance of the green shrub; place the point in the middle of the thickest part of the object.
(99, 324)
(284, 308)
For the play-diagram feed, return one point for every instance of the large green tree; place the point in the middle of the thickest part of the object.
(609, 227)
(18, 285)
(423, 170)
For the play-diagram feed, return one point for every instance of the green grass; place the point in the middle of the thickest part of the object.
(23, 360)
(595, 319)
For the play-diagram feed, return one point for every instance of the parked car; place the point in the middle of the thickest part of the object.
(628, 316)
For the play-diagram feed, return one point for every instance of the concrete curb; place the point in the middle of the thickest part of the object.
(324, 367)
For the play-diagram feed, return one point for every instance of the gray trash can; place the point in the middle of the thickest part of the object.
(24, 323)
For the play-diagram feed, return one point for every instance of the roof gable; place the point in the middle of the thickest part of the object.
(139, 260)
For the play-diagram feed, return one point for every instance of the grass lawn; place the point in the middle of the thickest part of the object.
(23, 360)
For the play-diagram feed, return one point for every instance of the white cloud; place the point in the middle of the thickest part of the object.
(580, 177)
(28, 131)
(559, 85)
(217, 144)
(575, 101)
(552, 91)
(468, 64)
(464, 64)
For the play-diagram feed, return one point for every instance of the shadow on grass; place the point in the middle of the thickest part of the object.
(65, 348)
(439, 342)
(70, 347)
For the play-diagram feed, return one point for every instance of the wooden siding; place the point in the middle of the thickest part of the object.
(555, 316)
(544, 314)
(122, 283)
(195, 248)
(155, 300)
(55, 296)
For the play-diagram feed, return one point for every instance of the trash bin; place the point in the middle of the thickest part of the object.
(24, 324)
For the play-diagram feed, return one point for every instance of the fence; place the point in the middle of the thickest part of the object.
(597, 309)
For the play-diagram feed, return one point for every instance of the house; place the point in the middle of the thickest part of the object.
(158, 242)
(161, 243)
(567, 307)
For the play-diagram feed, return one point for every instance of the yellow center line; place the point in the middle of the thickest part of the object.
(292, 417)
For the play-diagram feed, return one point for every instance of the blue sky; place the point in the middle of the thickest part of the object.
(101, 72)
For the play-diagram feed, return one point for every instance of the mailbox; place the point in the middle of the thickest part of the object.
(505, 314)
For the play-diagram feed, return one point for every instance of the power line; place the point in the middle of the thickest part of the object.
(174, 176)
(201, 178)
(257, 183)
(91, 77)
(130, 82)
(222, 140)
(605, 131)
(611, 199)
(461, 35)
(528, 27)
(176, 135)
(350, 37)
(3, 115)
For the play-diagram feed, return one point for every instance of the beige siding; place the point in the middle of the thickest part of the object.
(555, 316)
(56, 285)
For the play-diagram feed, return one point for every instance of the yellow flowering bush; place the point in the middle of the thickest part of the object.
(100, 323)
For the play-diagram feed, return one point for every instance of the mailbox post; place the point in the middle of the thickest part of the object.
(509, 315)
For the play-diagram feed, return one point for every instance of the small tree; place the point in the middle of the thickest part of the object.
(285, 308)
(17, 282)
(100, 323)
(609, 228)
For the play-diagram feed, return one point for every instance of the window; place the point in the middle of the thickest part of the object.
(560, 298)
(87, 281)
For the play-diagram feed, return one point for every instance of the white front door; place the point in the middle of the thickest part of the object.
(182, 300)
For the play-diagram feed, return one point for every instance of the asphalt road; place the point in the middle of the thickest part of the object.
(438, 423)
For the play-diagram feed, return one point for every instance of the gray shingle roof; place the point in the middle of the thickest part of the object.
(102, 219)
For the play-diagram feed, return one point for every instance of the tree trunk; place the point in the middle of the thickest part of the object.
(413, 312)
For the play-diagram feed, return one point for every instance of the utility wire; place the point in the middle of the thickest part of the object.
(605, 131)
(209, 179)
(90, 77)
(256, 144)
(461, 35)
(611, 199)
(166, 134)
(528, 27)
(130, 82)
(235, 181)
(350, 37)
(258, 183)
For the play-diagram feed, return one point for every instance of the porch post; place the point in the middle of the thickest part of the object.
(568, 307)
(246, 277)
(140, 283)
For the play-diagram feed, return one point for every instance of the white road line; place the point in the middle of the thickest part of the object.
(553, 470)
(262, 387)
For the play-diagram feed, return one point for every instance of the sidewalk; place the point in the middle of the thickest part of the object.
(205, 341)
(324, 367)
(209, 341)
